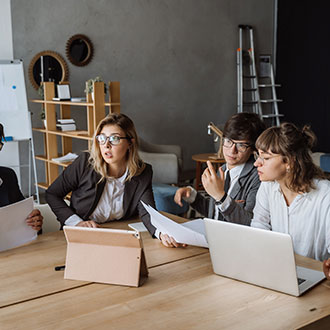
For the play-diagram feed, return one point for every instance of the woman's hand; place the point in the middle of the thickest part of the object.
(35, 219)
(212, 183)
(326, 268)
(89, 224)
(169, 241)
(180, 193)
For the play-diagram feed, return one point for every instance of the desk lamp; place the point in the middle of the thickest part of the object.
(219, 135)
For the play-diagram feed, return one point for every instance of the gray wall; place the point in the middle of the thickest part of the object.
(175, 59)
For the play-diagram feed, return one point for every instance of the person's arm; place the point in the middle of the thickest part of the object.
(65, 183)
(261, 212)
(326, 268)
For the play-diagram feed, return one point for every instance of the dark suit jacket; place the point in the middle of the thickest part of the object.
(245, 189)
(9, 189)
(83, 181)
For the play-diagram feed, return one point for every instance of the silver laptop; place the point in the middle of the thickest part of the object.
(258, 256)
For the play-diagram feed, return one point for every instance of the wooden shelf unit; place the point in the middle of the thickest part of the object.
(95, 111)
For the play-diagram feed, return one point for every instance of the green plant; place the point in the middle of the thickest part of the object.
(89, 85)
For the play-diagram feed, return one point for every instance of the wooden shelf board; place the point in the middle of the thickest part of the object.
(41, 157)
(39, 129)
(73, 134)
(66, 164)
(89, 104)
(43, 185)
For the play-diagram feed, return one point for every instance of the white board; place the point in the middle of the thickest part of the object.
(14, 114)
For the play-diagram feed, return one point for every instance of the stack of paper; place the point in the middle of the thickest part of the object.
(66, 124)
(191, 233)
(69, 157)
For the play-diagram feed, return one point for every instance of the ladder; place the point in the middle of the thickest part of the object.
(248, 87)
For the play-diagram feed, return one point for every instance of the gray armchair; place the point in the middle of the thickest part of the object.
(166, 161)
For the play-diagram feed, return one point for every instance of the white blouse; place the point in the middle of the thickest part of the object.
(307, 219)
(110, 206)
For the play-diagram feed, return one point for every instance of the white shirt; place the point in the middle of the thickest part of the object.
(110, 205)
(307, 219)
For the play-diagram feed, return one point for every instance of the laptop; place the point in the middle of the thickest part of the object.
(261, 257)
(103, 255)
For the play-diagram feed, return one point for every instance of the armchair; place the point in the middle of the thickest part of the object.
(166, 162)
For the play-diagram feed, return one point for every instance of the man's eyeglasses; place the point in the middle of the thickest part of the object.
(114, 140)
(241, 147)
(263, 158)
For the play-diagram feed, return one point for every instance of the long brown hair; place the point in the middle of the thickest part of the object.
(294, 145)
(134, 163)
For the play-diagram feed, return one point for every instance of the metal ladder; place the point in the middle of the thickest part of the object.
(248, 93)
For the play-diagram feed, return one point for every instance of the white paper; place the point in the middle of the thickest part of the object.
(13, 228)
(67, 158)
(181, 233)
(138, 226)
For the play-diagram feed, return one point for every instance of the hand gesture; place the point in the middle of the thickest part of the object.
(180, 193)
(212, 183)
(35, 219)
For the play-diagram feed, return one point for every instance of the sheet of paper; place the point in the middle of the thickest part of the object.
(138, 226)
(182, 234)
(13, 229)
(196, 225)
(66, 158)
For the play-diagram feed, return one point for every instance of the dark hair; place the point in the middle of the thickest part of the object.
(294, 145)
(244, 126)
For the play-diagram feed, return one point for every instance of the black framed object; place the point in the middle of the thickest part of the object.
(79, 50)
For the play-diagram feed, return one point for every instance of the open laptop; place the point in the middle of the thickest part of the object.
(258, 256)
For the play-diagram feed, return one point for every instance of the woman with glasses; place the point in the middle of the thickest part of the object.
(108, 183)
(294, 196)
(10, 192)
(233, 190)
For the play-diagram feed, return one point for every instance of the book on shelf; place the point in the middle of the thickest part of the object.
(78, 99)
(66, 121)
(69, 157)
(66, 127)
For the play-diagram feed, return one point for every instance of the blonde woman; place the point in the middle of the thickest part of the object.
(108, 183)
(294, 196)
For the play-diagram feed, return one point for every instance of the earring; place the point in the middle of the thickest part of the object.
(288, 170)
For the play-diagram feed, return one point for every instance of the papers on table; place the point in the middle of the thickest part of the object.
(69, 157)
(13, 229)
(138, 226)
(192, 232)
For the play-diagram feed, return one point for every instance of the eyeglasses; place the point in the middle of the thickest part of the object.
(114, 140)
(263, 159)
(241, 147)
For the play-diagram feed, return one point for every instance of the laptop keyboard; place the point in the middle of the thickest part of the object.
(300, 280)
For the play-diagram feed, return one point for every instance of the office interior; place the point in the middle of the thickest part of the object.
(176, 64)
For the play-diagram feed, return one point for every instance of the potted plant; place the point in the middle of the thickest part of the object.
(89, 85)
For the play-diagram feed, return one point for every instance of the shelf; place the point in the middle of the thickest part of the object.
(88, 104)
(43, 185)
(44, 159)
(72, 134)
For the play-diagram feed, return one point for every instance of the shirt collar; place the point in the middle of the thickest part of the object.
(236, 171)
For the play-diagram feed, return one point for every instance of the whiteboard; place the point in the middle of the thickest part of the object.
(14, 114)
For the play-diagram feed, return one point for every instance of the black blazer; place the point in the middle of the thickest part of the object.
(9, 189)
(80, 179)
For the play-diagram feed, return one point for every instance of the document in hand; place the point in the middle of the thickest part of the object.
(191, 233)
(13, 229)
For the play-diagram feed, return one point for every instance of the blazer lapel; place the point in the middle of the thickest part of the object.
(129, 191)
(241, 180)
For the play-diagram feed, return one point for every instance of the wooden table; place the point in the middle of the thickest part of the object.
(182, 292)
(203, 158)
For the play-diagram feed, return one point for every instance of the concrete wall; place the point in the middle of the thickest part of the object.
(175, 59)
(6, 35)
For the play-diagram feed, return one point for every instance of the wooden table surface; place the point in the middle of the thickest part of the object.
(27, 272)
(182, 292)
